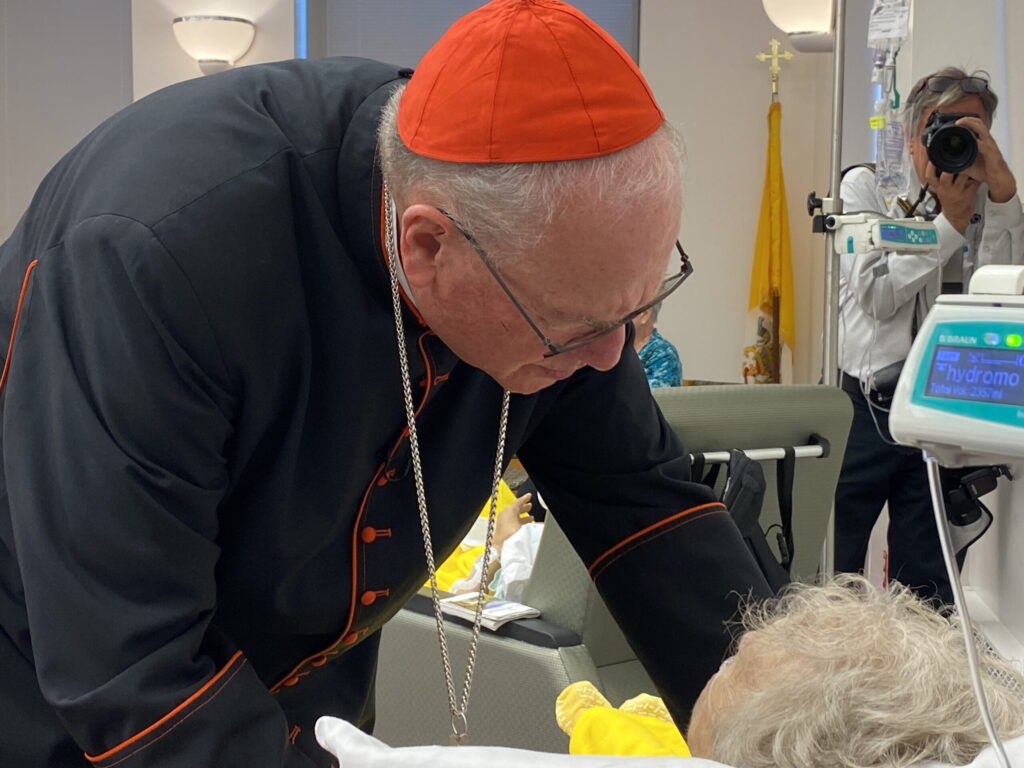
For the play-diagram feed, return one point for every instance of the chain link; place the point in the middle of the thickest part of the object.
(459, 708)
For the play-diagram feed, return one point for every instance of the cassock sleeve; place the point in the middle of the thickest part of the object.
(117, 417)
(662, 551)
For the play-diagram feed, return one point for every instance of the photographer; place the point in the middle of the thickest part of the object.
(885, 295)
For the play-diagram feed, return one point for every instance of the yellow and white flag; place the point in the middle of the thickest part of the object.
(768, 356)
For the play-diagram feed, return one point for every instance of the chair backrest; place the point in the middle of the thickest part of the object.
(562, 590)
(721, 417)
(707, 418)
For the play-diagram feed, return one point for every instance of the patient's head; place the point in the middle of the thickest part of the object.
(849, 675)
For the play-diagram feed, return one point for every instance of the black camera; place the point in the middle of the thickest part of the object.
(951, 148)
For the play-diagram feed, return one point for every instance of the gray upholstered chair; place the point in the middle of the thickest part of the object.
(522, 668)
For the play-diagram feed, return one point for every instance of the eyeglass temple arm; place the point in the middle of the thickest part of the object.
(494, 273)
(490, 268)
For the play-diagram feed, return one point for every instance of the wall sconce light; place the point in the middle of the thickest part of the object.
(808, 23)
(216, 42)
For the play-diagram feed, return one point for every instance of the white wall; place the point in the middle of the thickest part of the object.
(700, 59)
(158, 60)
(974, 36)
(400, 31)
(65, 66)
(1012, 109)
(6, 223)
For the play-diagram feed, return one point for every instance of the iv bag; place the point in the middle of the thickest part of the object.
(887, 29)
(888, 23)
(891, 177)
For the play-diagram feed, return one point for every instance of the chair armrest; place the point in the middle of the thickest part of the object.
(533, 631)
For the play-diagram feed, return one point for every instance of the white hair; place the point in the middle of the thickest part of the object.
(509, 207)
(857, 676)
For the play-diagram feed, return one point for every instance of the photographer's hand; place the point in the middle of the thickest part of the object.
(990, 167)
(956, 192)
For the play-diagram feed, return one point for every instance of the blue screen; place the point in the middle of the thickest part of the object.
(894, 234)
(977, 373)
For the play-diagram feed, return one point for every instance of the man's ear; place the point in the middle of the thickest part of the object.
(424, 232)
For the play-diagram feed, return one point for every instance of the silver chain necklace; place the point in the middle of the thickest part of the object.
(460, 725)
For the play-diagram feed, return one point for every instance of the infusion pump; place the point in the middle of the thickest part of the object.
(960, 395)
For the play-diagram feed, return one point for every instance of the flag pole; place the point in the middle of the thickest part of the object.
(773, 67)
(775, 375)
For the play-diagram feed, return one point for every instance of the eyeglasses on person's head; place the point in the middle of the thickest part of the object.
(668, 286)
(942, 83)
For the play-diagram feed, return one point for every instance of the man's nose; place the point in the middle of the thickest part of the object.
(603, 353)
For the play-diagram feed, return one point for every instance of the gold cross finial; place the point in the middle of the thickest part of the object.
(773, 67)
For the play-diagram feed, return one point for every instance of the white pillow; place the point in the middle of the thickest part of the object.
(1014, 749)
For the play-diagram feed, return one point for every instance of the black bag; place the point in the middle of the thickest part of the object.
(962, 488)
(744, 495)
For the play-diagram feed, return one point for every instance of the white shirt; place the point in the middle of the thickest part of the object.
(880, 291)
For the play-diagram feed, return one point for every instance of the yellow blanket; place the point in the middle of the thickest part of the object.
(641, 726)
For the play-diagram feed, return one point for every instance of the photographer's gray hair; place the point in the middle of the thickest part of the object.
(922, 98)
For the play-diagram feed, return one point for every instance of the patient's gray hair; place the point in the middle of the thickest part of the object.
(857, 676)
(508, 207)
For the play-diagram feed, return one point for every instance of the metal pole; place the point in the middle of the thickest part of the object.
(830, 337)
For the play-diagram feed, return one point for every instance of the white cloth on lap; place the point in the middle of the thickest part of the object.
(517, 556)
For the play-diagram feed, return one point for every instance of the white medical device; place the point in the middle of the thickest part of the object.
(960, 396)
(960, 399)
(867, 231)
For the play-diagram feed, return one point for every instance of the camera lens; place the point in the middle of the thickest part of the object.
(952, 148)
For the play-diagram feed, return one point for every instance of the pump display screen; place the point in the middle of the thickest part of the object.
(977, 373)
(901, 233)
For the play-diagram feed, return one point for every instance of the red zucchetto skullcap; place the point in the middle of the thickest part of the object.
(519, 81)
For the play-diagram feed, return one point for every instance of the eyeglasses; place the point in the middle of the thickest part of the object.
(942, 83)
(667, 287)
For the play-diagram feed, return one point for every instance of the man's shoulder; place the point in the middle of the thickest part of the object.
(860, 176)
(859, 191)
(204, 140)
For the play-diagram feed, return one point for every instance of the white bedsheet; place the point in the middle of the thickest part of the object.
(355, 749)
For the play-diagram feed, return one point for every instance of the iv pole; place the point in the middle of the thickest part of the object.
(833, 204)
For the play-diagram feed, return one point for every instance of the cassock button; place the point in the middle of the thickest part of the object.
(348, 639)
(319, 661)
(368, 597)
(291, 681)
(368, 535)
